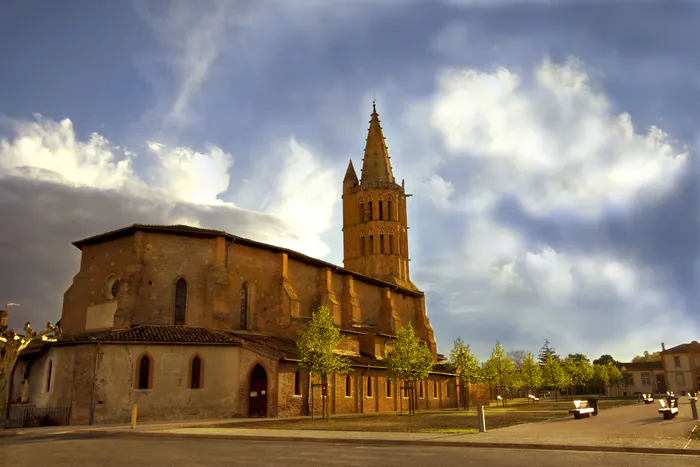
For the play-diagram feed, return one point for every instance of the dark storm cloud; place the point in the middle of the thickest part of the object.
(40, 220)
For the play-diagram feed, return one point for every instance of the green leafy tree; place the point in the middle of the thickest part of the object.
(531, 373)
(614, 376)
(409, 360)
(12, 346)
(465, 364)
(499, 370)
(600, 375)
(579, 369)
(605, 359)
(648, 357)
(317, 356)
(553, 374)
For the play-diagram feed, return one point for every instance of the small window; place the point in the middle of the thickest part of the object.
(420, 389)
(297, 383)
(390, 215)
(244, 306)
(348, 386)
(381, 208)
(677, 361)
(362, 244)
(144, 372)
(388, 388)
(180, 301)
(362, 210)
(381, 242)
(646, 379)
(369, 386)
(435, 392)
(196, 373)
(48, 376)
(391, 242)
(371, 244)
(369, 210)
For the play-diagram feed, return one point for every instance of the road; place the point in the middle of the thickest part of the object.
(83, 451)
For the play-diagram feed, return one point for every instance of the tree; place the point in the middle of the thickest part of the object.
(517, 357)
(553, 374)
(499, 369)
(465, 364)
(546, 351)
(316, 347)
(410, 360)
(614, 376)
(604, 360)
(600, 373)
(580, 369)
(13, 344)
(648, 357)
(531, 373)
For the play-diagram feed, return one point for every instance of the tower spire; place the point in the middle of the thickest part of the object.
(375, 163)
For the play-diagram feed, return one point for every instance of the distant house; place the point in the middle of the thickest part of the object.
(645, 377)
(682, 366)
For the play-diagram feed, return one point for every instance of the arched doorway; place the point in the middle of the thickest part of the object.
(257, 396)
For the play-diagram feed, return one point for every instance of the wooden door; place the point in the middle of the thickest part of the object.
(257, 395)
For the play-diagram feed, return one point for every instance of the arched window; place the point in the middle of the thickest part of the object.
(381, 207)
(244, 306)
(369, 386)
(48, 376)
(348, 386)
(362, 210)
(297, 383)
(381, 241)
(435, 389)
(144, 373)
(371, 242)
(362, 244)
(398, 243)
(369, 209)
(389, 204)
(391, 242)
(180, 301)
(388, 388)
(196, 373)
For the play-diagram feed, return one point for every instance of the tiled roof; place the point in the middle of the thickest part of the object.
(691, 347)
(157, 334)
(643, 366)
(199, 232)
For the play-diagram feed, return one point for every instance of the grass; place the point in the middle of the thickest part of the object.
(437, 421)
(695, 434)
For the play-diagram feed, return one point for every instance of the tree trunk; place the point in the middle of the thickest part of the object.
(7, 367)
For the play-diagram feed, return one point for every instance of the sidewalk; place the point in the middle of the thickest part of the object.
(636, 428)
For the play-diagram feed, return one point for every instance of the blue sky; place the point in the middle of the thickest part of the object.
(551, 148)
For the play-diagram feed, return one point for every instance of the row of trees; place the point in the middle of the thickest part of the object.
(409, 359)
(506, 372)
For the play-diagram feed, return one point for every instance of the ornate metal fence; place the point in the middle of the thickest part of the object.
(21, 416)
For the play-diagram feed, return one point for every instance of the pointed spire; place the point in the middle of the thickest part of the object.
(375, 163)
(350, 175)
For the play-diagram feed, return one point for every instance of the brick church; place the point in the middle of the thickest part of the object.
(189, 322)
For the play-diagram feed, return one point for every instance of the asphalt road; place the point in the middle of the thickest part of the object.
(135, 452)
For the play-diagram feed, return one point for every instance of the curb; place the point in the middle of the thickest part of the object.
(388, 442)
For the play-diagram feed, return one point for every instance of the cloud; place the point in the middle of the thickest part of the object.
(55, 188)
(552, 146)
(555, 144)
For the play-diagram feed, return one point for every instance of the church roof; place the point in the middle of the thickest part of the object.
(283, 349)
(153, 333)
(187, 230)
(375, 163)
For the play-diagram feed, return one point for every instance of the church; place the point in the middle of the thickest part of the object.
(189, 322)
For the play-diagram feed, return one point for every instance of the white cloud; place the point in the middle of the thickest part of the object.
(555, 144)
(302, 195)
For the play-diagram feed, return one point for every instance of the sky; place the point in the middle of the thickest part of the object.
(551, 148)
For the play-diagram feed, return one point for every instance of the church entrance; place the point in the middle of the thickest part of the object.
(257, 397)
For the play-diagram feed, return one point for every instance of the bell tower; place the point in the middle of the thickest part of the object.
(374, 214)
